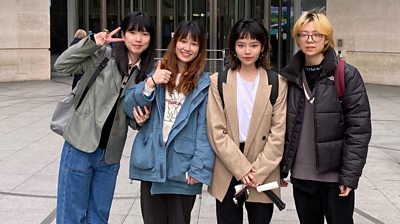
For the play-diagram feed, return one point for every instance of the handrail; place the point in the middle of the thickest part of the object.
(216, 59)
(207, 50)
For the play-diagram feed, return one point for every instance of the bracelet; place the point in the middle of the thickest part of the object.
(152, 79)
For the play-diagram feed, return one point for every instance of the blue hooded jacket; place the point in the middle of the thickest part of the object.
(187, 150)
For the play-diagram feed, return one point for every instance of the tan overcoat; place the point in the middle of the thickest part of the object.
(265, 137)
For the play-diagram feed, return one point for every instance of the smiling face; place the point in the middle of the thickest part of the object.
(311, 43)
(136, 41)
(187, 49)
(248, 50)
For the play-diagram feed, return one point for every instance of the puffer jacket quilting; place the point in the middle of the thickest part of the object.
(342, 126)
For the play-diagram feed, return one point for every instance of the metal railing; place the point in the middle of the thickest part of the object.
(216, 59)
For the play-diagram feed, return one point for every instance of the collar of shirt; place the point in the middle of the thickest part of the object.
(131, 65)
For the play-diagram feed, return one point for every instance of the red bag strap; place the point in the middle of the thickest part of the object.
(339, 78)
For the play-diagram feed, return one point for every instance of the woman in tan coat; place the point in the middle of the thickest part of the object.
(246, 128)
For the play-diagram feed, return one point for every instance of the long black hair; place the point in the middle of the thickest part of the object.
(137, 21)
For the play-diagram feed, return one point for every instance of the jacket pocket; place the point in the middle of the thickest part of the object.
(143, 153)
(85, 109)
(330, 156)
(179, 158)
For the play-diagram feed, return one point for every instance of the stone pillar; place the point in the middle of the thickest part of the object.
(25, 40)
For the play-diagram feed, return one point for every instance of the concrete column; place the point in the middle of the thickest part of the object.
(103, 14)
(72, 23)
(267, 14)
(159, 25)
(24, 47)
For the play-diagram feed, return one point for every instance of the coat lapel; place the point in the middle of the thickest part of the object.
(260, 105)
(230, 100)
(116, 76)
(192, 101)
(130, 82)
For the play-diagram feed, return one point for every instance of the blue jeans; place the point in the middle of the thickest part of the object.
(86, 186)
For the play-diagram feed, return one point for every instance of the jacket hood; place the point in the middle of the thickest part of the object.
(204, 82)
(204, 79)
(294, 70)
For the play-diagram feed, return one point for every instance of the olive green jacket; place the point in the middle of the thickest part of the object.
(84, 129)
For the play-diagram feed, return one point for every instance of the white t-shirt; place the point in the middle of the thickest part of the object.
(173, 104)
(246, 94)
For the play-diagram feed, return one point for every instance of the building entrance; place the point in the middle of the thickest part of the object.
(216, 16)
(281, 16)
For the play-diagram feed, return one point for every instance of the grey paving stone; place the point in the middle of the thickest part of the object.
(29, 160)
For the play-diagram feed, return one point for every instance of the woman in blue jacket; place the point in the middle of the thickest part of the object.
(171, 154)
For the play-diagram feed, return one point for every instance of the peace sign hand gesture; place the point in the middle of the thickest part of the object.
(105, 37)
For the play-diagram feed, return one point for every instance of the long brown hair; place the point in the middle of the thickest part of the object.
(194, 69)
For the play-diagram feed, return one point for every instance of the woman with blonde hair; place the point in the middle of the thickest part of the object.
(327, 134)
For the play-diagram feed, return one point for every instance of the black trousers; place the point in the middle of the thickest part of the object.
(314, 200)
(229, 213)
(165, 208)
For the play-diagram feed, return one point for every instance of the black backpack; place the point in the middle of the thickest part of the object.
(272, 79)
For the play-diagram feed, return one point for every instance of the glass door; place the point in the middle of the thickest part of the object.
(198, 12)
(129, 6)
(113, 14)
(94, 16)
(228, 12)
(168, 21)
(281, 15)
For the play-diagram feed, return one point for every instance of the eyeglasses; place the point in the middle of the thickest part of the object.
(316, 37)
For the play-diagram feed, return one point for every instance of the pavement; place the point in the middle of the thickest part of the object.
(30, 153)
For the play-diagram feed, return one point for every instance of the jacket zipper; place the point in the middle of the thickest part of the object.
(315, 127)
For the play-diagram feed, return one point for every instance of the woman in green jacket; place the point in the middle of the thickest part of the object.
(96, 134)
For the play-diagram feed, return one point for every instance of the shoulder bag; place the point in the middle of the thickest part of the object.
(65, 108)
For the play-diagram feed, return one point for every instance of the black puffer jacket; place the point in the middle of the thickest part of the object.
(342, 128)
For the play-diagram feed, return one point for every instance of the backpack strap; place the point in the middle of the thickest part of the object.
(272, 80)
(100, 67)
(222, 75)
(339, 78)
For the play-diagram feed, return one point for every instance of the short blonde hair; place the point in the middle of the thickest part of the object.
(80, 34)
(321, 23)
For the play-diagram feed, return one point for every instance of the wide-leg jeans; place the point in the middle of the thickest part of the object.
(86, 186)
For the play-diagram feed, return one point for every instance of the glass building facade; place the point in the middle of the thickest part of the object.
(217, 16)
